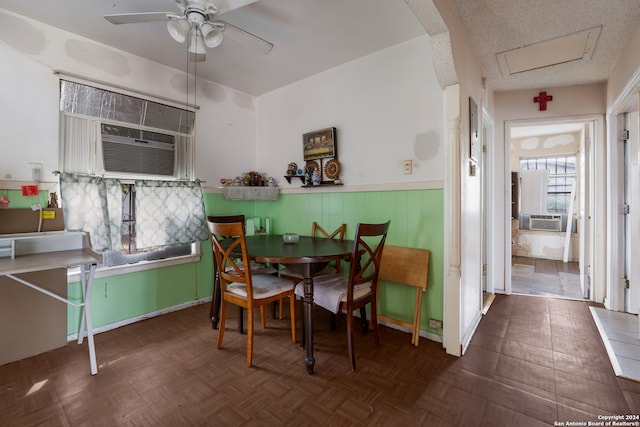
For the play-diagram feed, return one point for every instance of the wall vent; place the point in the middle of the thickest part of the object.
(545, 222)
(136, 151)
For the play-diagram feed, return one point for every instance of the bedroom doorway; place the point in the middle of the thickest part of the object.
(550, 199)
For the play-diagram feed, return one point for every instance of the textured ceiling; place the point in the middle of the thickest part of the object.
(309, 36)
(496, 26)
(313, 35)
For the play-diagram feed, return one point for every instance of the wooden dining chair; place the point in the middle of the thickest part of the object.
(333, 267)
(339, 293)
(256, 269)
(239, 286)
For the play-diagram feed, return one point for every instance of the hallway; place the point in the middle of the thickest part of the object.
(543, 277)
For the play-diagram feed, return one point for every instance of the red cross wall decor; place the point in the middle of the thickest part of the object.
(542, 98)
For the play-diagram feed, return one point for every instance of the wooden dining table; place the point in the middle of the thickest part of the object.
(309, 255)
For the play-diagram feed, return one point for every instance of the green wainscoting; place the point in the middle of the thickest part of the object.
(417, 220)
(17, 200)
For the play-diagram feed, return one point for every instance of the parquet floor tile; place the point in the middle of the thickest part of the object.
(527, 365)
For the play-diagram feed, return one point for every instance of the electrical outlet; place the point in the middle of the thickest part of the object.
(407, 166)
(435, 324)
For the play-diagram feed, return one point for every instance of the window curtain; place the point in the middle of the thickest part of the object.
(168, 213)
(94, 205)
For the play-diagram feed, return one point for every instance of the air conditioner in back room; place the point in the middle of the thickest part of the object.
(545, 222)
(136, 151)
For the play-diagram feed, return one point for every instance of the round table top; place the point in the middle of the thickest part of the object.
(271, 248)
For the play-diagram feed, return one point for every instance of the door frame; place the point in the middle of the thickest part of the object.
(621, 240)
(594, 261)
(613, 293)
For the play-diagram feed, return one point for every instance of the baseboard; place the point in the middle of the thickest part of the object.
(466, 340)
(424, 334)
(104, 328)
(129, 321)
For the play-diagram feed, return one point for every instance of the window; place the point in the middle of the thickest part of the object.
(562, 175)
(114, 149)
(129, 252)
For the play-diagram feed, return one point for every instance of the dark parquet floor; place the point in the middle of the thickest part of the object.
(533, 361)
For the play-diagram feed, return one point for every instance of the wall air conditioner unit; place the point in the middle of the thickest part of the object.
(136, 151)
(545, 222)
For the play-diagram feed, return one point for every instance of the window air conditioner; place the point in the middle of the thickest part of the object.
(545, 222)
(136, 151)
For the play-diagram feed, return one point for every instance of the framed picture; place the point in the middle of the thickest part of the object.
(319, 144)
(474, 136)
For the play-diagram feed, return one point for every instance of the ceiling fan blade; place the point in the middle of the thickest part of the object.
(228, 5)
(246, 38)
(134, 18)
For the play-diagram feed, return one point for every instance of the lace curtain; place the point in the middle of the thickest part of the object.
(169, 212)
(94, 205)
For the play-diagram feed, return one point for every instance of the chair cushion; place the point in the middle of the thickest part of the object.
(293, 273)
(330, 290)
(264, 286)
(256, 268)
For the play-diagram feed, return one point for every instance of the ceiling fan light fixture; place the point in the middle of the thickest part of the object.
(179, 29)
(211, 34)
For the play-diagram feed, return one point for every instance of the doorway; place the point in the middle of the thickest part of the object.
(550, 250)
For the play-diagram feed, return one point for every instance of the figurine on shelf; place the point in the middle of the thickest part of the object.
(316, 178)
(308, 176)
(53, 200)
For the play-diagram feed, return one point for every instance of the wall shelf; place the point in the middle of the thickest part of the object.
(322, 184)
(250, 193)
(288, 178)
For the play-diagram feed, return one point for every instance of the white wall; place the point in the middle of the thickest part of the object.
(387, 107)
(30, 51)
(464, 282)
(626, 69)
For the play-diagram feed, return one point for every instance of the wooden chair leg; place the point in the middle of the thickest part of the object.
(263, 317)
(302, 334)
(332, 321)
(250, 336)
(352, 353)
(240, 319)
(292, 314)
(374, 323)
(364, 325)
(223, 321)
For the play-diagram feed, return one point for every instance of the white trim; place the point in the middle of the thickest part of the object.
(125, 322)
(466, 339)
(488, 240)
(17, 184)
(73, 275)
(400, 186)
(424, 334)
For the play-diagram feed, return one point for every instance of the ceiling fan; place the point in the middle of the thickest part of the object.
(197, 25)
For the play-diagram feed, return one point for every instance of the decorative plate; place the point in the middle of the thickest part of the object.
(313, 164)
(331, 169)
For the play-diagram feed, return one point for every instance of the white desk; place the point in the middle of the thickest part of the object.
(29, 252)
